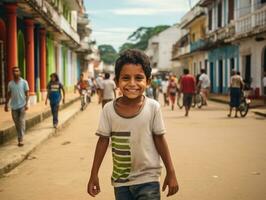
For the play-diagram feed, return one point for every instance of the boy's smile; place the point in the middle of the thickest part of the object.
(132, 81)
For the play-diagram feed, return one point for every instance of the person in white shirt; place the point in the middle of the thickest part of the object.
(204, 85)
(165, 83)
(108, 89)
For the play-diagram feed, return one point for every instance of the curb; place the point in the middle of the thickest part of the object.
(10, 132)
(225, 102)
(17, 158)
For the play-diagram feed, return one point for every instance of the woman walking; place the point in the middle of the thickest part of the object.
(54, 89)
(235, 92)
(172, 90)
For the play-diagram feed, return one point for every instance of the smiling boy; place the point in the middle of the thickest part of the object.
(136, 128)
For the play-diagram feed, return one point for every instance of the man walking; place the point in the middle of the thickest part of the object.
(204, 85)
(187, 87)
(18, 92)
(108, 89)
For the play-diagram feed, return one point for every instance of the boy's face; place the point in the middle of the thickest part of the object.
(132, 81)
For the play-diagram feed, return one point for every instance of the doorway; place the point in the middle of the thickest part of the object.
(220, 75)
(212, 76)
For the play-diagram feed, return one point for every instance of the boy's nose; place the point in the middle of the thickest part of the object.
(132, 81)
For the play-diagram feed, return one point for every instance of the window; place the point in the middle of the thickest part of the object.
(231, 10)
(210, 19)
(219, 14)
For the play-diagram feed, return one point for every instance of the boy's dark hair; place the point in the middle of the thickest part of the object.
(56, 76)
(186, 71)
(106, 76)
(133, 56)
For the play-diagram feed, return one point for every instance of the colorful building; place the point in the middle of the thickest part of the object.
(42, 37)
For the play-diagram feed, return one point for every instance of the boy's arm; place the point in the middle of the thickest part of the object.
(170, 179)
(101, 148)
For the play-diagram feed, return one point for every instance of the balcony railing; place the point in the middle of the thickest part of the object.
(55, 18)
(252, 21)
(199, 44)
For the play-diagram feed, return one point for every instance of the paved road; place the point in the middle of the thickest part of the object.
(215, 158)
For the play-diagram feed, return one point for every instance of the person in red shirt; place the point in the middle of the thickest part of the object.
(187, 87)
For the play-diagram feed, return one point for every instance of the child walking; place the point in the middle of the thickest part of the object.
(136, 128)
(54, 89)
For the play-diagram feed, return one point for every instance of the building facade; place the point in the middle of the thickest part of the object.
(159, 48)
(42, 37)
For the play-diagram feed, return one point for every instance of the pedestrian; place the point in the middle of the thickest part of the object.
(204, 85)
(98, 82)
(165, 82)
(108, 89)
(188, 88)
(155, 87)
(18, 94)
(172, 89)
(264, 87)
(236, 84)
(54, 90)
(136, 128)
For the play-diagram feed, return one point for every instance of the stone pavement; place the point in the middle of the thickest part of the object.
(257, 106)
(11, 155)
(34, 115)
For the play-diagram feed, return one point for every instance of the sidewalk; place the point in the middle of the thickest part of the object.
(257, 105)
(36, 114)
(11, 155)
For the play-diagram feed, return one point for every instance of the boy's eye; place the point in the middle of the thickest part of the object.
(139, 78)
(125, 78)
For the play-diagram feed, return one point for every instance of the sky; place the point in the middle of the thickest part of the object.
(113, 21)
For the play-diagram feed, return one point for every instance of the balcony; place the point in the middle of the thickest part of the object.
(198, 45)
(83, 19)
(253, 22)
(179, 52)
(46, 11)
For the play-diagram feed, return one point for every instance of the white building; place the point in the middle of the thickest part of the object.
(160, 46)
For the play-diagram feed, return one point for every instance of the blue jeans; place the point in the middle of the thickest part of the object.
(54, 109)
(146, 191)
(19, 120)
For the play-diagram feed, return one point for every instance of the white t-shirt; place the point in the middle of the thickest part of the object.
(99, 81)
(205, 81)
(164, 86)
(135, 158)
(264, 81)
(108, 87)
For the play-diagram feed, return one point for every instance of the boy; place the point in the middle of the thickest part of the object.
(135, 125)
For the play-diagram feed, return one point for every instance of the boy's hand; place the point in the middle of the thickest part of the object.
(94, 186)
(171, 182)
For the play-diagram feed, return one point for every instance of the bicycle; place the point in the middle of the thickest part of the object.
(197, 100)
(84, 99)
(179, 100)
(244, 104)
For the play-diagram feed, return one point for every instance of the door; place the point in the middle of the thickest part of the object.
(220, 75)
(212, 76)
(247, 77)
(2, 73)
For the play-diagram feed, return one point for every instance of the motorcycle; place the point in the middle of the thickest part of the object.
(244, 104)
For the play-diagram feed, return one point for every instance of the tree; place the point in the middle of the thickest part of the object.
(141, 36)
(107, 53)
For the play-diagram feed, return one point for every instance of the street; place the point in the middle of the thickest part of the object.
(215, 158)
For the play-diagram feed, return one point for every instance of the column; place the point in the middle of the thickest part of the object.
(29, 45)
(11, 45)
(43, 59)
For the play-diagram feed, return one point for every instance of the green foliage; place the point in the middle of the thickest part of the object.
(141, 37)
(107, 53)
